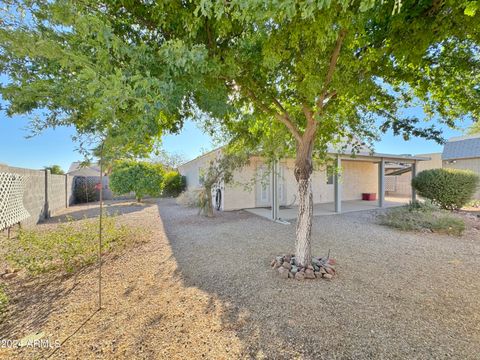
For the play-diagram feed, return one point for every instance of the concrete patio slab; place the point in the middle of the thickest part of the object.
(329, 208)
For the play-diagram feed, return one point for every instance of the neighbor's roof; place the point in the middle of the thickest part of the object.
(462, 147)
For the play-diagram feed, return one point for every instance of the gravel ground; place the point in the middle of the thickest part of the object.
(203, 288)
(397, 295)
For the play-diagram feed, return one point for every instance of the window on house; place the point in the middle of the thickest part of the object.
(330, 174)
(200, 176)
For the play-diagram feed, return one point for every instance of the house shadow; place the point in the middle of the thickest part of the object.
(92, 210)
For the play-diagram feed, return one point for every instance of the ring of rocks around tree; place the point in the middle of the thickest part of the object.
(319, 268)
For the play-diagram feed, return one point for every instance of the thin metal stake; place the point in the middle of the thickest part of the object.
(100, 230)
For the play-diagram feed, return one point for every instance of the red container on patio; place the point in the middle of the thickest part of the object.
(369, 196)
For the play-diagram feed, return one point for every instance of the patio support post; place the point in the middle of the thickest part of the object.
(381, 183)
(274, 190)
(414, 173)
(338, 186)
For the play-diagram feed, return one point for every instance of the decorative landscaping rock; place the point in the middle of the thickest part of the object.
(323, 268)
(330, 271)
(277, 264)
(309, 274)
(300, 275)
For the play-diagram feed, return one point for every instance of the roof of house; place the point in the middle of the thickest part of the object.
(462, 147)
(78, 170)
(403, 158)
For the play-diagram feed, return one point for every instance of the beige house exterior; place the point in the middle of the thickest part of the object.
(251, 187)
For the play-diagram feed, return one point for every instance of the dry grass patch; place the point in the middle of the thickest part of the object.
(67, 247)
(421, 217)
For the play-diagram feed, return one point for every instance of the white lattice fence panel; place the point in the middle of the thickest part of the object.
(12, 210)
(390, 183)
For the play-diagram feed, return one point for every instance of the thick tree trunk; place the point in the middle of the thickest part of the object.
(303, 244)
(303, 175)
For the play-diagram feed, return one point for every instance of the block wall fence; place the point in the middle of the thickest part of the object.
(45, 193)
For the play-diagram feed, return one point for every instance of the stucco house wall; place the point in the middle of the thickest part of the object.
(357, 177)
(435, 162)
(192, 169)
(240, 194)
(403, 182)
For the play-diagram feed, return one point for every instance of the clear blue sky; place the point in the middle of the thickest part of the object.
(56, 146)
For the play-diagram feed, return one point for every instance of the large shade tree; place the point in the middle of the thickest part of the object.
(314, 72)
(323, 70)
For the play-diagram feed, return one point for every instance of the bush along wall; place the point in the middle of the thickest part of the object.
(448, 188)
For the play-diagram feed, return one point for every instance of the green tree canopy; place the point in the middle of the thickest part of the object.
(141, 178)
(68, 62)
(55, 169)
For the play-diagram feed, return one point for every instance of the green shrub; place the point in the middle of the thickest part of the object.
(3, 300)
(68, 247)
(173, 183)
(423, 218)
(449, 225)
(142, 178)
(425, 206)
(448, 188)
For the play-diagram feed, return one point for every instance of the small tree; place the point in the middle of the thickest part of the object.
(220, 171)
(55, 169)
(142, 178)
(449, 188)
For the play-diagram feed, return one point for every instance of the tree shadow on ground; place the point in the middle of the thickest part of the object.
(36, 299)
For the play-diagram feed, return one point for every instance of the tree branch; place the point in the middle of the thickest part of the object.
(283, 118)
(311, 128)
(331, 69)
